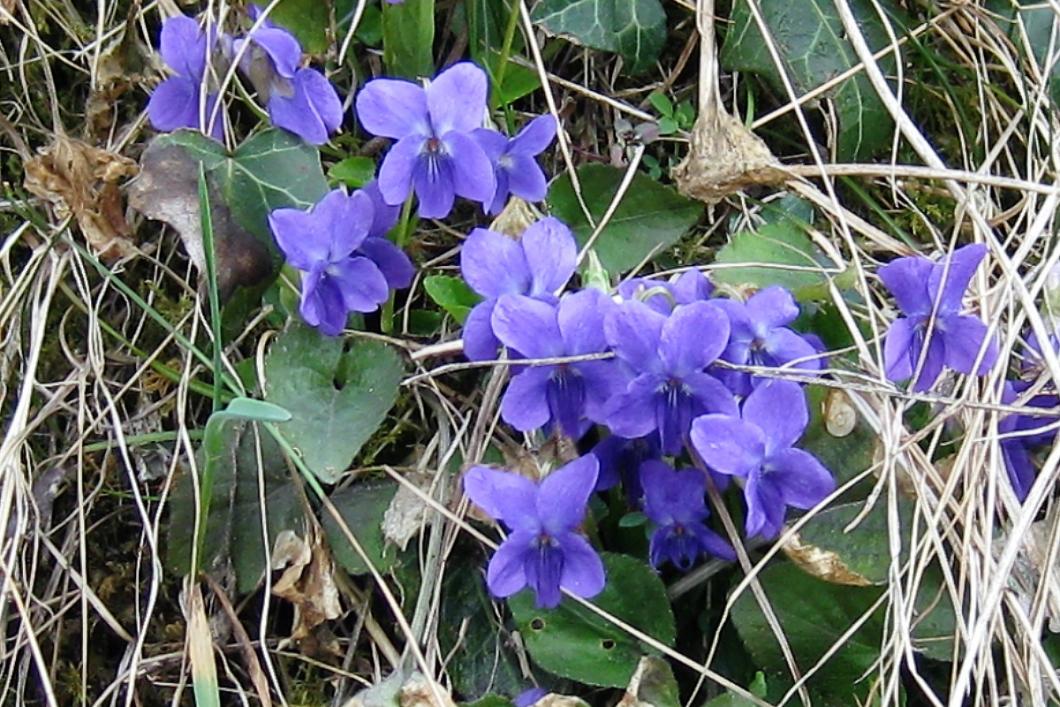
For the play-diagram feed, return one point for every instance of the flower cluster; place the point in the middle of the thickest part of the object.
(299, 99)
(654, 365)
(340, 246)
(441, 148)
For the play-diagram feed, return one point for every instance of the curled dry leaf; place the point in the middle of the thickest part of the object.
(724, 157)
(652, 685)
(81, 181)
(515, 218)
(418, 692)
(407, 512)
(308, 581)
(823, 564)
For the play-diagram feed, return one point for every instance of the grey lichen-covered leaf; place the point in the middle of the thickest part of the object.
(635, 29)
(337, 397)
(811, 40)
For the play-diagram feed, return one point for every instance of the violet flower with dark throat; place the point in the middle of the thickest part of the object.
(558, 395)
(435, 154)
(667, 356)
(922, 288)
(323, 243)
(673, 501)
(543, 551)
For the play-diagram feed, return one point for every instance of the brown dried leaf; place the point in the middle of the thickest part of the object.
(81, 181)
(515, 218)
(118, 70)
(652, 685)
(7, 10)
(725, 157)
(407, 512)
(823, 564)
(308, 581)
(417, 692)
(554, 700)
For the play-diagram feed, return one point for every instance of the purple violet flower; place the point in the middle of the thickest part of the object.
(533, 695)
(323, 243)
(758, 446)
(620, 461)
(673, 501)
(667, 356)
(435, 154)
(543, 551)
(299, 100)
(175, 102)
(556, 395)
(391, 260)
(537, 265)
(515, 168)
(1021, 434)
(760, 337)
(921, 287)
(662, 296)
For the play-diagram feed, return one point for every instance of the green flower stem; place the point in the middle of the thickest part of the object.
(401, 232)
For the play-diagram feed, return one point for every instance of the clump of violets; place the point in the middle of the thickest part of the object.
(757, 446)
(178, 102)
(514, 166)
(667, 357)
(934, 333)
(537, 264)
(663, 295)
(760, 336)
(564, 394)
(300, 100)
(435, 154)
(338, 277)
(673, 501)
(544, 550)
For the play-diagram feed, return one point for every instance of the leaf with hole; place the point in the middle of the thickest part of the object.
(634, 29)
(337, 397)
(650, 218)
(574, 642)
(814, 48)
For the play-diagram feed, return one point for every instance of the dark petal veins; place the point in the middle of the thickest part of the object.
(544, 570)
(566, 400)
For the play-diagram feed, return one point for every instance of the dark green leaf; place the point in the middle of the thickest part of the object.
(273, 169)
(481, 658)
(575, 643)
(846, 456)
(776, 254)
(813, 44)
(408, 38)
(813, 615)
(233, 535)
(451, 294)
(650, 218)
(636, 29)
(863, 550)
(354, 172)
(362, 506)
(337, 399)
(1036, 22)
(307, 20)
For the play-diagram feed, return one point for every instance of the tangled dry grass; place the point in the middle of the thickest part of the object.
(99, 402)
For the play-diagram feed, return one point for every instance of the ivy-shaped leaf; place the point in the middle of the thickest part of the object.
(813, 44)
(635, 29)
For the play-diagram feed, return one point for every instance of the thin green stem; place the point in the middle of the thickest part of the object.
(502, 66)
(214, 296)
(402, 232)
